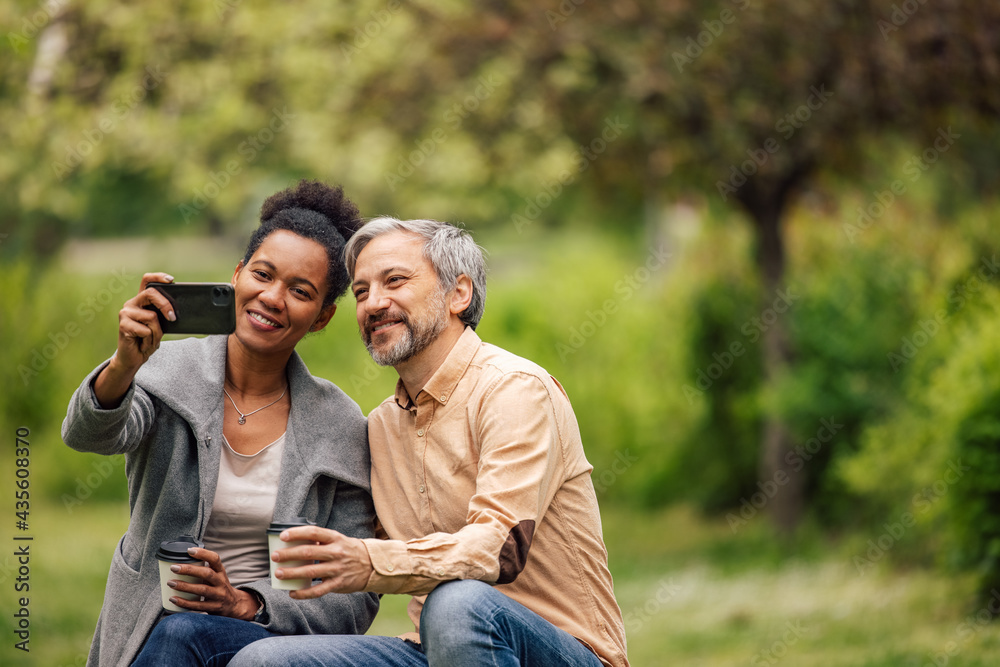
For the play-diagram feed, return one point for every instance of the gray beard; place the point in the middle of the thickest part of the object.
(415, 339)
(409, 344)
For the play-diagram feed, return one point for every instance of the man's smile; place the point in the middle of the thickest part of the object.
(381, 324)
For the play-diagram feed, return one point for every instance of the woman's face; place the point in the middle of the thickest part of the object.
(280, 292)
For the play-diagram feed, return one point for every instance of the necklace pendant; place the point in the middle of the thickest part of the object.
(243, 416)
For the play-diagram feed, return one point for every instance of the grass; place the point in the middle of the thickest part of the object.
(692, 592)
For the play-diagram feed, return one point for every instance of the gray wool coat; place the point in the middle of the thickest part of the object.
(169, 427)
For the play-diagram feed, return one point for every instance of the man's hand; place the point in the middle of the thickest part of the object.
(342, 562)
(221, 598)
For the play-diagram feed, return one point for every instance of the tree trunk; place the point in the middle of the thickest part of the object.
(53, 42)
(776, 474)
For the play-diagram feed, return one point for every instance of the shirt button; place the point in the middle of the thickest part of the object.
(420, 488)
(444, 397)
(440, 571)
(390, 568)
(420, 433)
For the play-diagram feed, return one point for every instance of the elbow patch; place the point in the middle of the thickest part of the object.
(514, 554)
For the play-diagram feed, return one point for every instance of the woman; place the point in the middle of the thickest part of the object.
(224, 434)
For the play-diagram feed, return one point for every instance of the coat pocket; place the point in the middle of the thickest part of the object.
(131, 607)
(126, 558)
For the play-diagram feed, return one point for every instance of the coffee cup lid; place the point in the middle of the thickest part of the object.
(176, 550)
(277, 526)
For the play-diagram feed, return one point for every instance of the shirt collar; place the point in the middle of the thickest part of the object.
(444, 380)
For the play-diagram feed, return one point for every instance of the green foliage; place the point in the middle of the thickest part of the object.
(835, 307)
(855, 302)
(456, 111)
(55, 328)
(935, 457)
(714, 461)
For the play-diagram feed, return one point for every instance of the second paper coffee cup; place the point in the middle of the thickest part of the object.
(274, 542)
(174, 552)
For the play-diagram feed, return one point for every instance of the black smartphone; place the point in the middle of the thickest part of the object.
(200, 308)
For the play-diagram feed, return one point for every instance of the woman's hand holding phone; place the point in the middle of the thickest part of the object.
(139, 335)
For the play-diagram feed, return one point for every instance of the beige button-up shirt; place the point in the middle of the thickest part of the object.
(484, 477)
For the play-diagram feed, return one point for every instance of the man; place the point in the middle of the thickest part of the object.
(479, 481)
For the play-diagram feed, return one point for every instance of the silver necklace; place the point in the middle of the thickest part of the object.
(243, 417)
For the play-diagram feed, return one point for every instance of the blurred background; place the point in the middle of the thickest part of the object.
(754, 239)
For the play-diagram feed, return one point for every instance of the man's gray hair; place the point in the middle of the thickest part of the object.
(450, 250)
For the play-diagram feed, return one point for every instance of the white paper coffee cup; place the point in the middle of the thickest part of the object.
(274, 542)
(174, 552)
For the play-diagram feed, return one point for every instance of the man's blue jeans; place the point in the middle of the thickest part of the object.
(197, 640)
(463, 623)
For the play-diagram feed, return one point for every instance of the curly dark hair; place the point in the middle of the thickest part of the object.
(318, 212)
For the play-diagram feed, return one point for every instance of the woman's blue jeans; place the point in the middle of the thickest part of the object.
(197, 640)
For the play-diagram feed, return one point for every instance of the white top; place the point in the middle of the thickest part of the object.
(242, 511)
